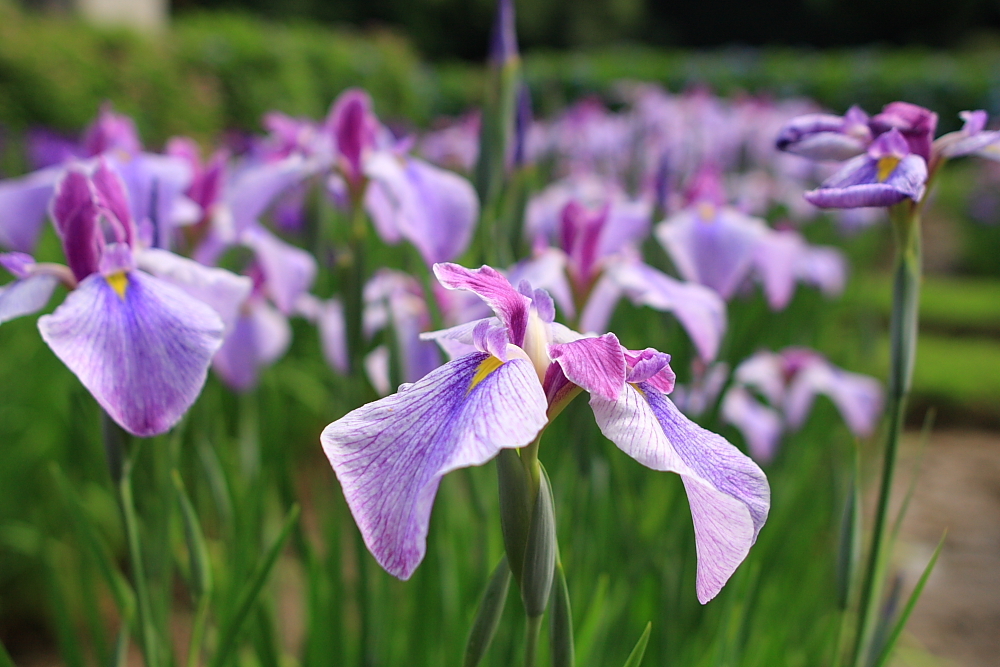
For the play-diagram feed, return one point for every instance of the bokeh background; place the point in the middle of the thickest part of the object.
(212, 68)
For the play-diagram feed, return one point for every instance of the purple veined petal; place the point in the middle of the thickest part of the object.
(492, 287)
(109, 190)
(144, 356)
(595, 364)
(288, 271)
(760, 425)
(712, 246)
(23, 203)
(253, 189)
(858, 397)
(728, 493)
(915, 123)
(390, 455)
(224, 291)
(650, 366)
(26, 296)
(260, 336)
(547, 270)
(699, 309)
(458, 341)
(333, 334)
(857, 184)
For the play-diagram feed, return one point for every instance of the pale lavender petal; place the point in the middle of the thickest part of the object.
(224, 291)
(776, 258)
(760, 425)
(260, 336)
(763, 371)
(117, 258)
(25, 296)
(459, 340)
(712, 246)
(390, 455)
(256, 187)
(154, 183)
(650, 366)
(492, 287)
(547, 270)
(699, 309)
(600, 306)
(822, 137)
(728, 493)
(377, 369)
(433, 208)
(18, 264)
(595, 364)
(109, 191)
(857, 184)
(858, 397)
(23, 203)
(144, 356)
(333, 334)
(288, 271)
(824, 267)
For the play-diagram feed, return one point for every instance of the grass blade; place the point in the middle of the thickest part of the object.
(635, 657)
(251, 590)
(5, 659)
(890, 643)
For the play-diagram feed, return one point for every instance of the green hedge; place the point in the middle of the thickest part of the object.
(216, 71)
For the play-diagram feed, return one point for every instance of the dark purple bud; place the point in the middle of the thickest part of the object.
(111, 131)
(503, 42)
(915, 123)
(76, 217)
(353, 126)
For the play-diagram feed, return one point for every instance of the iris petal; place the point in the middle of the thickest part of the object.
(390, 455)
(144, 357)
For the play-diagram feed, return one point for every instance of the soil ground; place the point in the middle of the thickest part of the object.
(958, 616)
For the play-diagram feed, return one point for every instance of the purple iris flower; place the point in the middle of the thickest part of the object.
(711, 243)
(782, 258)
(972, 139)
(137, 328)
(390, 455)
(915, 123)
(596, 262)
(155, 185)
(789, 382)
(455, 145)
(886, 174)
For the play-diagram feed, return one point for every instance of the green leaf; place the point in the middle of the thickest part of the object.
(635, 657)
(5, 659)
(539, 552)
(119, 586)
(925, 434)
(121, 645)
(251, 590)
(201, 565)
(890, 643)
(561, 622)
(488, 615)
(515, 508)
(147, 628)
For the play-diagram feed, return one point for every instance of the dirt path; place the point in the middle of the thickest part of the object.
(958, 617)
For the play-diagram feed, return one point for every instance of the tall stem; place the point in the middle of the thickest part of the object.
(903, 341)
(531, 641)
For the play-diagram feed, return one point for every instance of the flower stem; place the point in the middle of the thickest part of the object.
(531, 641)
(903, 340)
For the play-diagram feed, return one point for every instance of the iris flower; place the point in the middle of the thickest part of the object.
(390, 455)
(137, 328)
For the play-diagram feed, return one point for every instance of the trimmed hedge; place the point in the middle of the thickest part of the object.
(212, 72)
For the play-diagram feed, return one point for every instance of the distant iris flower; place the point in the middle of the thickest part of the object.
(136, 327)
(390, 455)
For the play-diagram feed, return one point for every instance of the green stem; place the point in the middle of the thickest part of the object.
(903, 339)
(353, 281)
(198, 632)
(531, 641)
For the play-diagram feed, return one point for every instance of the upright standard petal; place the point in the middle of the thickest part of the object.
(23, 202)
(492, 287)
(390, 455)
(728, 493)
(140, 345)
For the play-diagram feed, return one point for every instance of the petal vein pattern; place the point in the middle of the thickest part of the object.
(728, 493)
(390, 455)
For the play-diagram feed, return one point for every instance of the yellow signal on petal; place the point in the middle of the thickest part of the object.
(118, 282)
(886, 165)
(486, 366)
